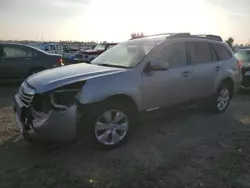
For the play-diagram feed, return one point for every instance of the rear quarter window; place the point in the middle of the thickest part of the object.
(222, 52)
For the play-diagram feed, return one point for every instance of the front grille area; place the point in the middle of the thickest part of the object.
(26, 95)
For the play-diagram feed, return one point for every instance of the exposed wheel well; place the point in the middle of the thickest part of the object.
(230, 83)
(125, 100)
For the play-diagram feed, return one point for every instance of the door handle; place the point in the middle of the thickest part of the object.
(186, 74)
(218, 68)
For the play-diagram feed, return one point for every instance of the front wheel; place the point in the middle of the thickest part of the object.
(109, 124)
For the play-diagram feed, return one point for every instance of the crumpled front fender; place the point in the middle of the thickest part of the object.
(59, 126)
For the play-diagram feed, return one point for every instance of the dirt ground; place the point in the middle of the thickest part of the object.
(183, 148)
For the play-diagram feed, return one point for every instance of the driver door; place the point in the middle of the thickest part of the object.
(165, 88)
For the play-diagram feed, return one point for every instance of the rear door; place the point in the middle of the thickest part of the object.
(16, 62)
(206, 67)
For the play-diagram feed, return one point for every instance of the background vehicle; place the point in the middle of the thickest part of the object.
(90, 55)
(17, 61)
(244, 56)
(52, 48)
(69, 53)
(136, 76)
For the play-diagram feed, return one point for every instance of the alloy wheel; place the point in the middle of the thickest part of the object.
(223, 99)
(111, 127)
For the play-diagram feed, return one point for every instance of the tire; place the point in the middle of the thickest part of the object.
(108, 124)
(221, 100)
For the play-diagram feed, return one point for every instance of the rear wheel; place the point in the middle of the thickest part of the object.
(222, 98)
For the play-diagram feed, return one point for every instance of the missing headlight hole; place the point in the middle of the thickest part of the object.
(59, 99)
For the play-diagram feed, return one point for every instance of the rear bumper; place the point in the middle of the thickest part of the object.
(55, 126)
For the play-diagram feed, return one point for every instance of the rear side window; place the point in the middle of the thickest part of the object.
(222, 52)
(47, 48)
(174, 54)
(13, 52)
(59, 47)
(53, 47)
(199, 52)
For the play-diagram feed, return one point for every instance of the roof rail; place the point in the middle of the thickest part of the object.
(184, 35)
(209, 36)
(179, 35)
(158, 34)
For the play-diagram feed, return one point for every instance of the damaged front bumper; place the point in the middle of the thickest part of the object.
(55, 126)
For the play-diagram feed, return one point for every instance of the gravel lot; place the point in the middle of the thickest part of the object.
(183, 148)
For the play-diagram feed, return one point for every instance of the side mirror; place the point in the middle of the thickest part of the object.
(158, 65)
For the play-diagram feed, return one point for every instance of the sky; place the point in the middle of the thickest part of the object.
(115, 20)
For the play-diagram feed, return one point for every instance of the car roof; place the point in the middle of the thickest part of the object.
(179, 39)
(245, 49)
(22, 45)
(14, 44)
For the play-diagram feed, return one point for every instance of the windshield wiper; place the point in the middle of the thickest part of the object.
(111, 65)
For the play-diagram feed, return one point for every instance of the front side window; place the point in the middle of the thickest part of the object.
(12, 52)
(199, 52)
(222, 52)
(243, 56)
(126, 54)
(174, 54)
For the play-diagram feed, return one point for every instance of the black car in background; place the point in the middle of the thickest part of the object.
(18, 61)
(244, 56)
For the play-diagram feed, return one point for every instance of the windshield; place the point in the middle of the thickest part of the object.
(127, 54)
(243, 56)
(100, 47)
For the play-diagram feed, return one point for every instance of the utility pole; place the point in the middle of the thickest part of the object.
(42, 35)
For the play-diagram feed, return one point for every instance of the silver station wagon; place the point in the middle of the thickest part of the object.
(139, 75)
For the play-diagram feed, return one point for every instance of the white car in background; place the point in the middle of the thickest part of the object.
(89, 55)
(52, 48)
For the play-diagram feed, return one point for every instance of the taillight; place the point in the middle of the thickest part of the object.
(59, 61)
(239, 63)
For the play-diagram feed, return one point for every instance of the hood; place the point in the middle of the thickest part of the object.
(93, 51)
(53, 78)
